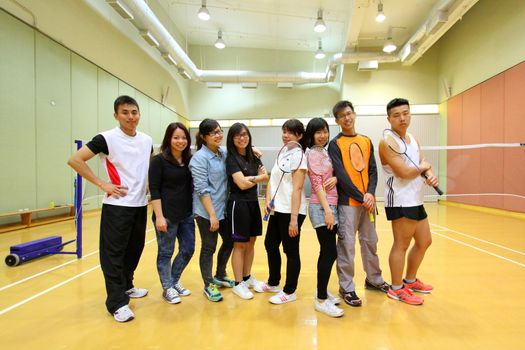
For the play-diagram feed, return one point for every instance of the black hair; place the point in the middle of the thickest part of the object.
(250, 160)
(205, 128)
(295, 127)
(396, 102)
(165, 147)
(339, 106)
(313, 126)
(236, 129)
(124, 100)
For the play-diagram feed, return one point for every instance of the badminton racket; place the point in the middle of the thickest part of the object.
(289, 159)
(357, 160)
(398, 145)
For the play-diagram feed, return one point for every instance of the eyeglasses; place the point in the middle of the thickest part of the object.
(216, 132)
(241, 135)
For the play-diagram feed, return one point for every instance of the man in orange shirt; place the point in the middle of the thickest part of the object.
(356, 206)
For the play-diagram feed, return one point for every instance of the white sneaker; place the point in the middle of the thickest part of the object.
(171, 296)
(242, 291)
(328, 308)
(137, 292)
(181, 290)
(334, 299)
(262, 287)
(251, 282)
(123, 314)
(282, 298)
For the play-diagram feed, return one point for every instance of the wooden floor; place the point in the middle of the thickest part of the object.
(476, 263)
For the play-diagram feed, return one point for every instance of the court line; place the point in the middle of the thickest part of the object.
(479, 249)
(20, 303)
(56, 267)
(478, 239)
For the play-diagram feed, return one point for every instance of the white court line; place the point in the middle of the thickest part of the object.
(479, 239)
(52, 269)
(479, 249)
(14, 306)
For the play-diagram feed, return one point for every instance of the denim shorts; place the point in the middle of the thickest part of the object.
(316, 213)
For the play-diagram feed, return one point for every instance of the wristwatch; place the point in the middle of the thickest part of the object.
(253, 179)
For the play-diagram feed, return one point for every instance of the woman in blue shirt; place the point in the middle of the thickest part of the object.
(210, 190)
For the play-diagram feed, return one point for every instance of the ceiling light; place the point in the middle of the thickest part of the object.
(319, 25)
(319, 54)
(380, 17)
(220, 44)
(150, 39)
(169, 58)
(389, 46)
(120, 8)
(203, 13)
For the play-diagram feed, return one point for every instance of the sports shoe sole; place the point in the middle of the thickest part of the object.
(403, 301)
(212, 298)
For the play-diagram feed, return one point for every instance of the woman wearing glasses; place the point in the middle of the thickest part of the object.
(210, 189)
(244, 171)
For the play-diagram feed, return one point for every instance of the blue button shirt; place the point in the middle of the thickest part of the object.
(208, 170)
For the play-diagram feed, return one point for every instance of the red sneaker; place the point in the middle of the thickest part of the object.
(418, 286)
(405, 295)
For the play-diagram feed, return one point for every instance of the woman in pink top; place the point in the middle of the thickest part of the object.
(323, 215)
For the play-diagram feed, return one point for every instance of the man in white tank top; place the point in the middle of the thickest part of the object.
(404, 205)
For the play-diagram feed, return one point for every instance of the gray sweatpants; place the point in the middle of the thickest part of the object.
(351, 220)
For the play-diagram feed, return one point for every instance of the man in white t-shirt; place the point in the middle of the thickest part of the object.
(404, 206)
(125, 154)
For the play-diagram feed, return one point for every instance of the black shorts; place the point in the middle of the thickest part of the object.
(244, 220)
(414, 213)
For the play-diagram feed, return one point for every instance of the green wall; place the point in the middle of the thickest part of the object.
(50, 96)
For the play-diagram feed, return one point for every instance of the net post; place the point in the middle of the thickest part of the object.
(78, 207)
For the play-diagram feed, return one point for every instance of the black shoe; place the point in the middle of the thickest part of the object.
(351, 298)
(382, 287)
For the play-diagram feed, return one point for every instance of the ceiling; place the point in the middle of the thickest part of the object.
(288, 24)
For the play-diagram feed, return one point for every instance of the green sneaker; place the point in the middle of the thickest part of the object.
(224, 282)
(212, 293)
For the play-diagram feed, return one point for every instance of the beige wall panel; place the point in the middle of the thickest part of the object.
(53, 122)
(17, 115)
(154, 122)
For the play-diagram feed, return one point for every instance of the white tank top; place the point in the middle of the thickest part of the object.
(404, 192)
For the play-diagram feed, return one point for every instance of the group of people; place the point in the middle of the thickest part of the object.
(217, 189)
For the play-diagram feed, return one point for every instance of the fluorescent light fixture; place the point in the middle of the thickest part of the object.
(203, 12)
(367, 65)
(284, 85)
(319, 25)
(184, 74)
(380, 17)
(195, 123)
(370, 110)
(220, 44)
(120, 8)
(278, 121)
(169, 58)
(319, 54)
(389, 46)
(405, 52)
(249, 85)
(424, 109)
(214, 84)
(260, 122)
(150, 39)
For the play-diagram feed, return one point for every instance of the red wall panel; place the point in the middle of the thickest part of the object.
(491, 112)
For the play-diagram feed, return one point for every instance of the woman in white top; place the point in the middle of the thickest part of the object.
(284, 226)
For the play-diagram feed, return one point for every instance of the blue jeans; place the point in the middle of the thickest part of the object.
(184, 231)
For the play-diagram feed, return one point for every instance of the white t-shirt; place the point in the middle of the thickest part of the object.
(283, 198)
(404, 192)
(127, 163)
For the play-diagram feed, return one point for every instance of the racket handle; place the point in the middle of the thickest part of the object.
(438, 190)
(371, 216)
(268, 210)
